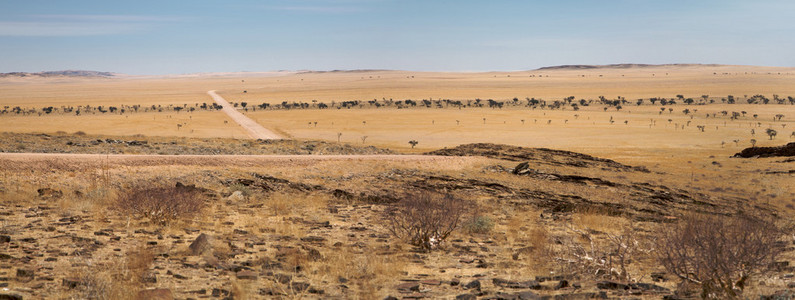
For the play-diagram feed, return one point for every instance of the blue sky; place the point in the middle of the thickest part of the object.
(174, 37)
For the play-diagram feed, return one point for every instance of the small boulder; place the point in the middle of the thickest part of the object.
(474, 284)
(201, 244)
(5, 238)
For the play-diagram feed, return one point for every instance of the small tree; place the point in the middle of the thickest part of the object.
(771, 133)
(364, 138)
(753, 142)
(413, 143)
(339, 134)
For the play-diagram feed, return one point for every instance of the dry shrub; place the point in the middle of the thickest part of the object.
(425, 219)
(161, 204)
(719, 253)
(607, 258)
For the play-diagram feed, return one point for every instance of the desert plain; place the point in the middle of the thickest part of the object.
(166, 196)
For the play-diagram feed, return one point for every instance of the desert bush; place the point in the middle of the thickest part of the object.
(161, 204)
(425, 219)
(478, 224)
(607, 258)
(719, 253)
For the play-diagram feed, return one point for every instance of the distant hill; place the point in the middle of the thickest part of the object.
(619, 66)
(65, 73)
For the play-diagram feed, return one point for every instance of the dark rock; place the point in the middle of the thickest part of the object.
(528, 295)
(299, 286)
(562, 284)
(521, 168)
(220, 292)
(390, 298)
(71, 282)
(466, 297)
(530, 284)
(239, 231)
(658, 276)
(5, 238)
(455, 282)
(201, 244)
(246, 274)
(25, 273)
(648, 287)
(611, 285)
(155, 294)
(474, 284)
(10, 296)
(431, 282)
(408, 287)
(785, 150)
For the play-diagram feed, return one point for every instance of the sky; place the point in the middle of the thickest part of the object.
(179, 37)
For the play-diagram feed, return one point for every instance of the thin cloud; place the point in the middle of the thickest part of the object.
(81, 25)
(318, 9)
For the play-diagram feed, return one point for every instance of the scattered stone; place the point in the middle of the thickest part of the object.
(5, 238)
(202, 244)
(528, 295)
(530, 284)
(220, 292)
(466, 297)
(408, 287)
(658, 277)
(562, 284)
(474, 284)
(155, 294)
(71, 282)
(611, 285)
(10, 296)
(246, 274)
(431, 282)
(25, 273)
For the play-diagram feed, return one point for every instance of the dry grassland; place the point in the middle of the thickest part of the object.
(283, 227)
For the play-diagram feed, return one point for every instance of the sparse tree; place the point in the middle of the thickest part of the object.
(339, 134)
(364, 138)
(771, 133)
(753, 142)
(413, 143)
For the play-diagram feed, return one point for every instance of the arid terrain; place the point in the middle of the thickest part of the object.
(561, 183)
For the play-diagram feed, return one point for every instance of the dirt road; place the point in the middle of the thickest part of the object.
(24, 159)
(254, 129)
